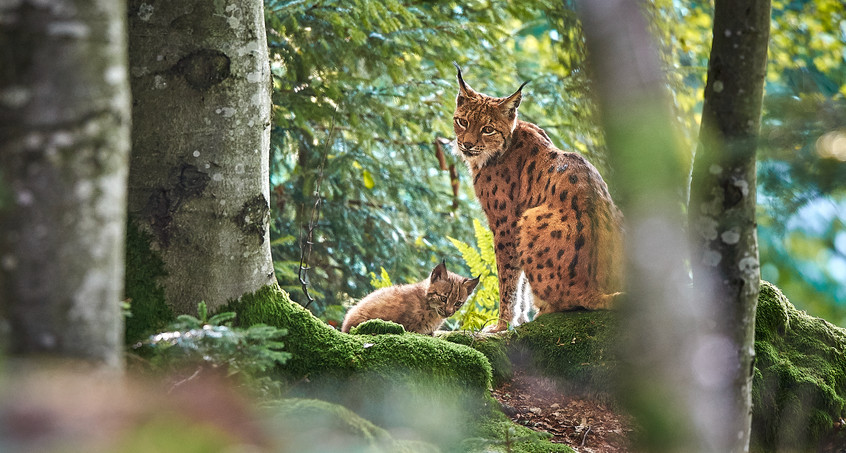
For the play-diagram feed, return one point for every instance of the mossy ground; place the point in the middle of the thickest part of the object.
(438, 390)
(800, 376)
(799, 386)
(411, 383)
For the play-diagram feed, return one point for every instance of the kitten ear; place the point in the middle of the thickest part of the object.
(439, 272)
(470, 284)
(509, 105)
(464, 90)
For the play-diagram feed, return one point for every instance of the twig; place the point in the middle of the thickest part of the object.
(307, 242)
(189, 378)
(584, 436)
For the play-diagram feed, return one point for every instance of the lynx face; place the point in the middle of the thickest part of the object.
(447, 291)
(483, 124)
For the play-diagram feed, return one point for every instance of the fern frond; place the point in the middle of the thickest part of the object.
(383, 280)
(471, 256)
(482, 308)
(485, 242)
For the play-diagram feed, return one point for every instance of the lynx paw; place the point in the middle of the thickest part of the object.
(501, 326)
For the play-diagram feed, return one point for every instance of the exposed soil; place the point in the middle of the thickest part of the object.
(586, 425)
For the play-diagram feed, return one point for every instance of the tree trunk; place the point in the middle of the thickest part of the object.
(64, 144)
(722, 200)
(199, 179)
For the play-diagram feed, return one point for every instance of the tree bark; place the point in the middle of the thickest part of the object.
(64, 144)
(722, 201)
(199, 173)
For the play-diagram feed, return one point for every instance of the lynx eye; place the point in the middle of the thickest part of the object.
(487, 130)
(442, 298)
(461, 122)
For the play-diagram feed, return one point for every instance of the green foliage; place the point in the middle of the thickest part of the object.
(482, 307)
(249, 352)
(383, 280)
(799, 176)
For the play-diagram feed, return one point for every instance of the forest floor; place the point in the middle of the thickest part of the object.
(585, 424)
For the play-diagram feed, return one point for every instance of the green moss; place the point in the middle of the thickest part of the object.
(574, 348)
(378, 327)
(308, 425)
(494, 348)
(144, 268)
(800, 377)
(319, 350)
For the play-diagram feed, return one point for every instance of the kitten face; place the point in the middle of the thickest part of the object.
(483, 124)
(448, 291)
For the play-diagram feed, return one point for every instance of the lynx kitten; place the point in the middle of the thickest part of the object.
(420, 307)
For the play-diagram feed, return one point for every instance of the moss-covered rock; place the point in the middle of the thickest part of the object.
(319, 351)
(493, 346)
(439, 387)
(800, 376)
(421, 386)
(574, 348)
(378, 327)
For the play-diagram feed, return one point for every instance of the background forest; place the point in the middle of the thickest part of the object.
(364, 191)
(364, 93)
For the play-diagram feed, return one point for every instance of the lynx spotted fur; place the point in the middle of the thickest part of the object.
(550, 211)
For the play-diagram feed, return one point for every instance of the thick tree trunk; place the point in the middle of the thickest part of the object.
(722, 200)
(64, 143)
(201, 133)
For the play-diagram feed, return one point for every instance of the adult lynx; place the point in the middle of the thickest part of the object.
(550, 211)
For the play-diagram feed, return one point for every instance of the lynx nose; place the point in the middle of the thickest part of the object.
(468, 145)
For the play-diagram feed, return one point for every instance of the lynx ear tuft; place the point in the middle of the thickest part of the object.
(510, 104)
(464, 90)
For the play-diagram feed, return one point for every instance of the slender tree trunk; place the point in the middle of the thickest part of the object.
(722, 200)
(64, 143)
(201, 132)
